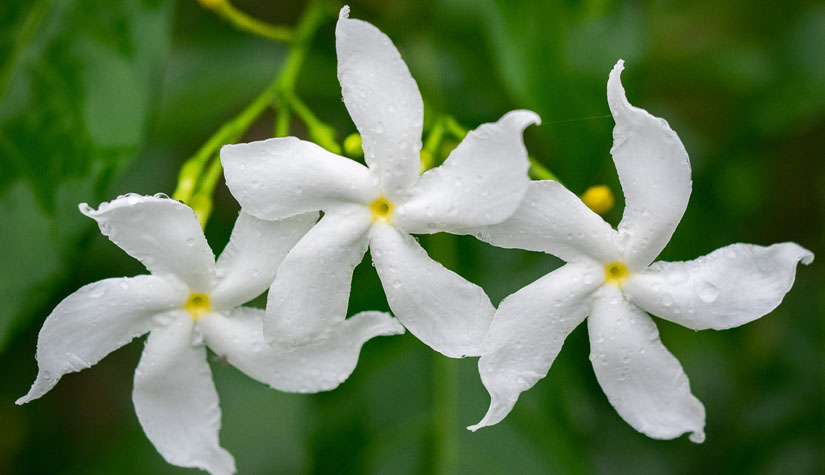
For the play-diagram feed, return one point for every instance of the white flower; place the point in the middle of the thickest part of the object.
(609, 276)
(480, 183)
(188, 302)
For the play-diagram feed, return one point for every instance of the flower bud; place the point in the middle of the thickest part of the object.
(352, 145)
(599, 198)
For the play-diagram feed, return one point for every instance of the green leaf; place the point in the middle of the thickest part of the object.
(554, 58)
(75, 94)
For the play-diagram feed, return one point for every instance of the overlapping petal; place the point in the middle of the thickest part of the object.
(551, 219)
(726, 288)
(481, 182)
(319, 366)
(439, 307)
(173, 245)
(641, 378)
(311, 290)
(282, 177)
(176, 401)
(96, 320)
(528, 331)
(247, 265)
(654, 171)
(383, 100)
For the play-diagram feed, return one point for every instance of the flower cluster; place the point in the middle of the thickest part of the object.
(304, 342)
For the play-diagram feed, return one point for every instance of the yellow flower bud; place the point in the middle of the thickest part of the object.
(599, 198)
(352, 145)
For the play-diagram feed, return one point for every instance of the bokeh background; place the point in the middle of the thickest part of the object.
(104, 97)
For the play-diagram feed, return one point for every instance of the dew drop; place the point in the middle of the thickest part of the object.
(707, 292)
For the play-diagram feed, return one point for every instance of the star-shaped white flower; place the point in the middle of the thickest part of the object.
(609, 277)
(480, 183)
(187, 303)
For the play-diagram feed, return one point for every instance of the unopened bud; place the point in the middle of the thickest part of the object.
(352, 145)
(599, 198)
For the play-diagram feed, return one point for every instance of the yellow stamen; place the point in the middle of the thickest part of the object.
(381, 210)
(616, 273)
(198, 305)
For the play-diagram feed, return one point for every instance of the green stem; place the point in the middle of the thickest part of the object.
(540, 172)
(445, 415)
(430, 149)
(192, 172)
(445, 423)
(318, 130)
(23, 37)
(282, 118)
(244, 22)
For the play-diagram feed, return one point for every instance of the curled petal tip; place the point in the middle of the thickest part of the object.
(86, 209)
(697, 437)
(475, 427)
(343, 14)
(522, 118)
(616, 97)
(395, 328)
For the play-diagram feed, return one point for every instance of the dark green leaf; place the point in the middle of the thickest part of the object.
(75, 93)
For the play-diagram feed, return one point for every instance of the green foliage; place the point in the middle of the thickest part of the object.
(75, 96)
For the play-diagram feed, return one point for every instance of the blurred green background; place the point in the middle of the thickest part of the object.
(104, 97)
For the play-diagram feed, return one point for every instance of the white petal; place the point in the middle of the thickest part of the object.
(161, 233)
(247, 265)
(96, 320)
(311, 290)
(175, 399)
(281, 177)
(551, 219)
(528, 331)
(729, 287)
(654, 170)
(383, 101)
(435, 304)
(642, 380)
(319, 366)
(481, 182)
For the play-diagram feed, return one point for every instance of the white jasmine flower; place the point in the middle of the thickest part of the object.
(480, 183)
(609, 277)
(187, 303)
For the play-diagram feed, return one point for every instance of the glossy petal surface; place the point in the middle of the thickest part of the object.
(247, 266)
(654, 170)
(319, 366)
(281, 177)
(481, 182)
(176, 401)
(552, 219)
(96, 320)
(641, 378)
(439, 307)
(527, 334)
(310, 293)
(383, 100)
(163, 234)
(729, 287)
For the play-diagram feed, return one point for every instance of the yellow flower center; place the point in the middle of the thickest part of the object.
(381, 210)
(198, 305)
(616, 273)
